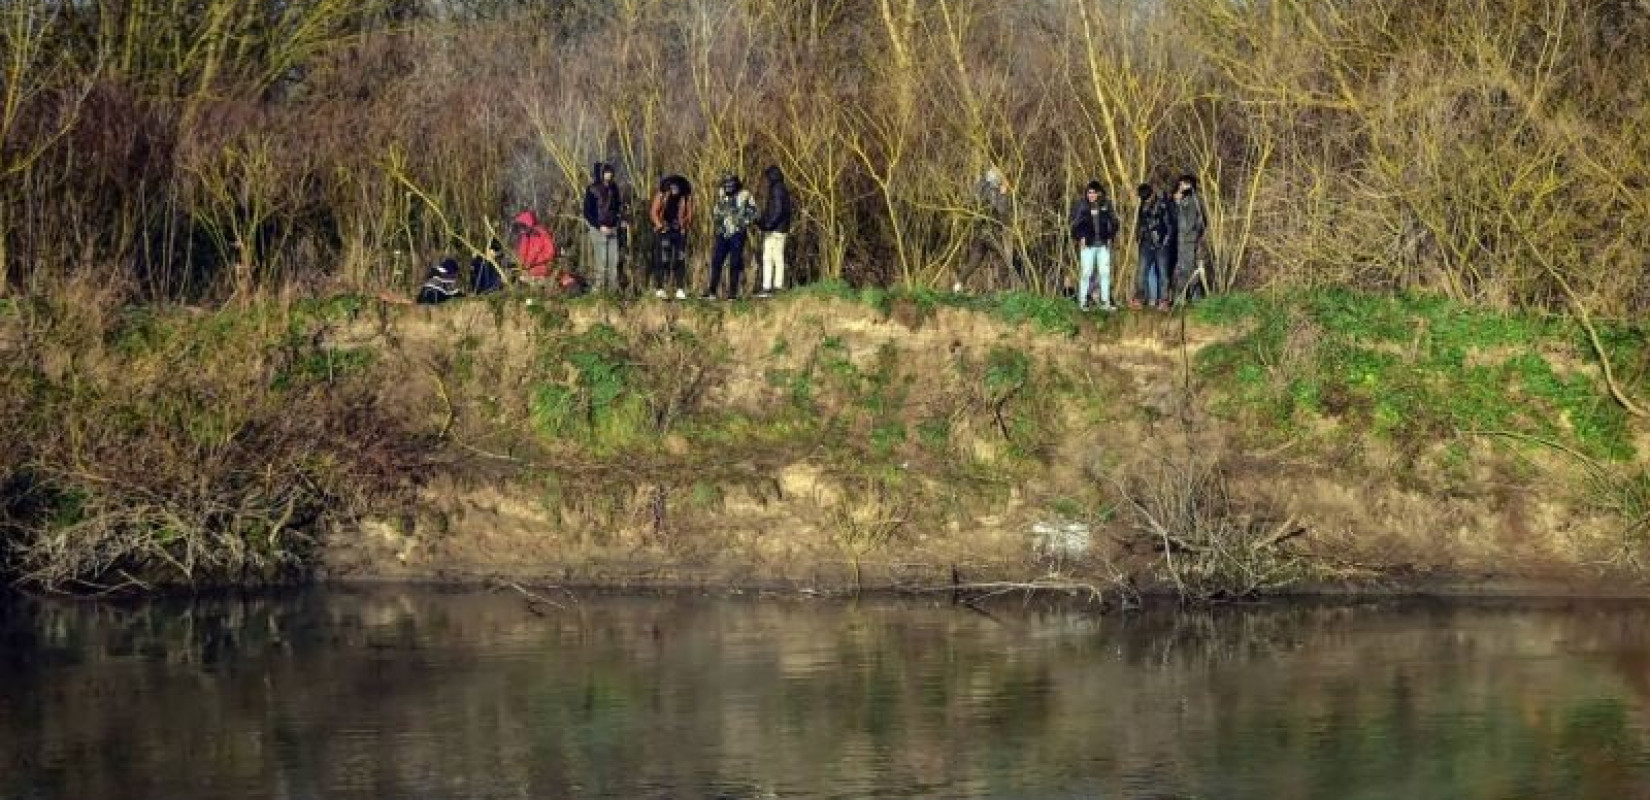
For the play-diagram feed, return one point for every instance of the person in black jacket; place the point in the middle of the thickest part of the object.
(775, 223)
(604, 214)
(1153, 229)
(1094, 226)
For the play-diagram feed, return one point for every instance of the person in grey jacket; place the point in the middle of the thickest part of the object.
(1191, 223)
(991, 240)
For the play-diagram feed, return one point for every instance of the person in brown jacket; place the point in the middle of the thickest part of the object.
(671, 213)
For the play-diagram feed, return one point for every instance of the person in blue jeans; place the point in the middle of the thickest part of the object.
(1153, 229)
(1094, 226)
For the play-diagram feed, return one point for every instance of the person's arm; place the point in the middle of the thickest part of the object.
(656, 212)
(591, 210)
(770, 211)
(686, 215)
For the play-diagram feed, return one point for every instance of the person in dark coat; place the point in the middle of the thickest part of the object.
(1094, 227)
(1152, 231)
(604, 216)
(485, 270)
(775, 224)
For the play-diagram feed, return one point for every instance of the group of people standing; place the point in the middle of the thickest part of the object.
(671, 213)
(1169, 231)
(1169, 236)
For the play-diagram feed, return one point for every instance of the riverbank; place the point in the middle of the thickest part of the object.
(827, 439)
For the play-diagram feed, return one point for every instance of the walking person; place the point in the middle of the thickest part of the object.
(733, 213)
(990, 241)
(1094, 226)
(671, 213)
(604, 216)
(775, 224)
(1191, 222)
(1152, 229)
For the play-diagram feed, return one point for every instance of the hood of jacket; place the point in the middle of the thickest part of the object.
(598, 169)
(527, 218)
(774, 175)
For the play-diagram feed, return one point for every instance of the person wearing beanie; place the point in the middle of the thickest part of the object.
(1094, 226)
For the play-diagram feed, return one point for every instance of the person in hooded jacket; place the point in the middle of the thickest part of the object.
(671, 213)
(604, 216)
(1094, 226)
(441, 285)
(535, 247)
(775, 224)
(733, 213)
(1153, 229)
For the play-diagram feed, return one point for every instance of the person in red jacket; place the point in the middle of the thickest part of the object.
(535, 247)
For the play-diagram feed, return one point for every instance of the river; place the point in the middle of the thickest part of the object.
(404, 692)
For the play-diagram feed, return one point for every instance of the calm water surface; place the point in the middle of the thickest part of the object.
(417, 693)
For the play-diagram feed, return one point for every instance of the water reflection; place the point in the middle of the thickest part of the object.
(413, 693)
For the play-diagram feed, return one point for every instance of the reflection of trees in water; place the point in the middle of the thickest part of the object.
(392, 693)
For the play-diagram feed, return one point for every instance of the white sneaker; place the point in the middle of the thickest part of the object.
(956, 288)
(681, 295)
(659, 293)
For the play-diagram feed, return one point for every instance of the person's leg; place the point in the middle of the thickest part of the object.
(611, 264)
(1005, 246)
(765, 282)
(778, 262)
(678, 260)
(979, 250)
(736, 266)
(1085, 275)
(661, 262)
(1151, 274)
(718, 255)
(1142, 282)
(1103, 258)
(1200, 284)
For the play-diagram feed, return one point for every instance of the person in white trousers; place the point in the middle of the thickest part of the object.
(775, 224)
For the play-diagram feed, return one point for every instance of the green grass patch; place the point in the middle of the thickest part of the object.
(1415, 369)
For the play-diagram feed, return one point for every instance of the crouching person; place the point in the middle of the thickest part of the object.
(441, 285)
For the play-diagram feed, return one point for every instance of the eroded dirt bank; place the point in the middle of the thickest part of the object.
(816, 441)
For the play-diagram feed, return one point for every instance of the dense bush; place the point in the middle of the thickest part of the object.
(1490, 150)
